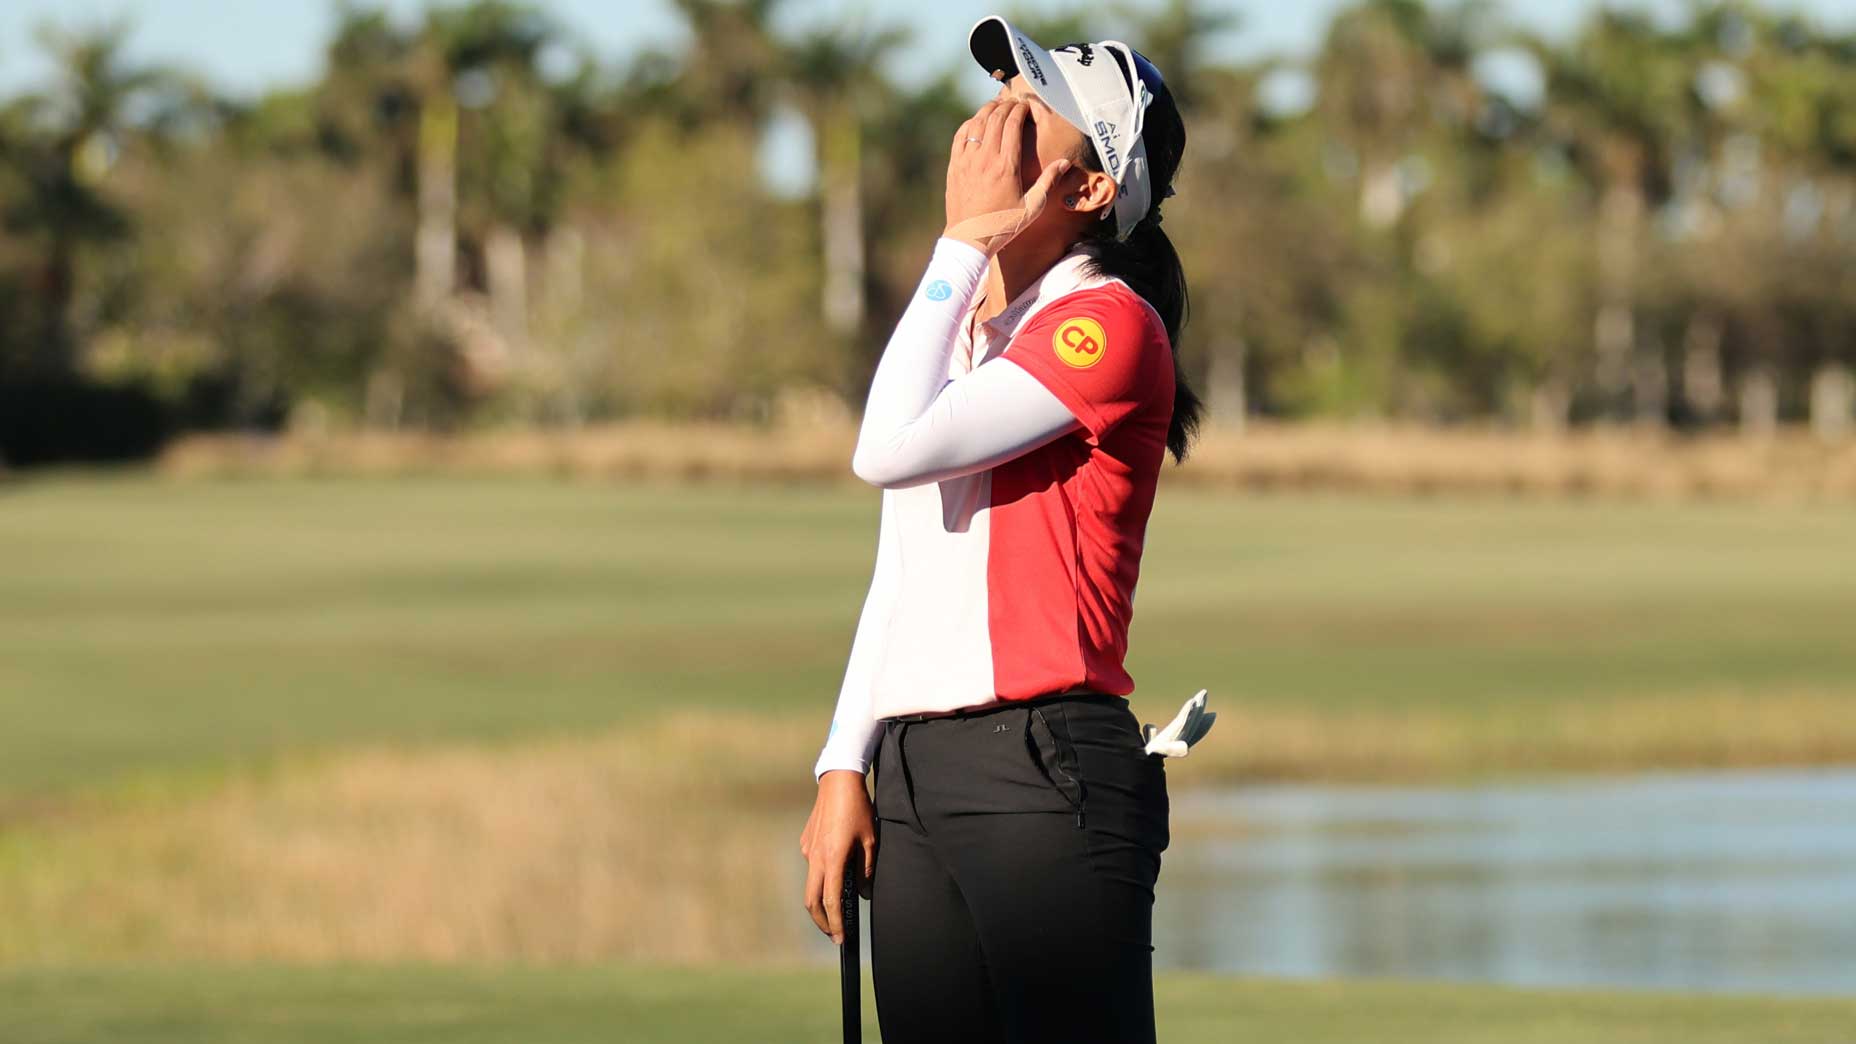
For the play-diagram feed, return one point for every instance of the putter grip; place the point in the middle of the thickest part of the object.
(848, 964)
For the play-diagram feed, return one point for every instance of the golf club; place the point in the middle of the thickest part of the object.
(847, 956)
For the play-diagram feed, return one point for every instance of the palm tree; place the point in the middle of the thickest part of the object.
(732, 69)
(1381, 70)
(467, 51)
(490, 50)
(63, 167)
(1237, 216)
(1616, 98)
(1718, 113)
(835, 73)
(478, 141)
(1756, 271)
(1802, 80)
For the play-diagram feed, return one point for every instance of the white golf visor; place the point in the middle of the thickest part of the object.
(1098, 87)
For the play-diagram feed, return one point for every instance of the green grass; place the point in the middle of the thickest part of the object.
(157, 627)
(153, 632)
(645, 1004)
(145, 625)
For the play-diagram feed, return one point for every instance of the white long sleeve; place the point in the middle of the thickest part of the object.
(855, 731)
(920, 427)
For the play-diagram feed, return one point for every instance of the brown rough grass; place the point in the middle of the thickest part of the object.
(619, 846)
(1369, 458)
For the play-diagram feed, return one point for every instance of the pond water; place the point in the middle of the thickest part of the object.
(1719, 881)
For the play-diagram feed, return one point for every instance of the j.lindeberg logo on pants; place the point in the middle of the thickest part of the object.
(1002, 727)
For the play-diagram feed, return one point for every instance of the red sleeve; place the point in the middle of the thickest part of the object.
(1094, 349)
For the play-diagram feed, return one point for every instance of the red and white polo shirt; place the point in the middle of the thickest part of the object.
(1018, 580)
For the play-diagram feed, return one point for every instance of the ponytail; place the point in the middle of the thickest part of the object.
(1146, 260)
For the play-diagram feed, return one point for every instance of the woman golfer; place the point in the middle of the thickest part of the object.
(1017, 423)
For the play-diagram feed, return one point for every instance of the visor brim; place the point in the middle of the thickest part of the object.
(1005, 52)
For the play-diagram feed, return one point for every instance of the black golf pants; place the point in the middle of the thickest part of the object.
(1017, 850)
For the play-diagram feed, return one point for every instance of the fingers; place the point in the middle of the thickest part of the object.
(967, 130)
(815, 884)
(961, 133)
(825, 888)
(974, 127)
(1040, 190)
(960, 137)
(869, 848)
(805, 835)
(1179, 720)
(834, 899)
(1200, 721)
(1205, 724)
(995, 125)
(1012, 137)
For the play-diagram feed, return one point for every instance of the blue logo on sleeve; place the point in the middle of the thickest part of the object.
(939, 290)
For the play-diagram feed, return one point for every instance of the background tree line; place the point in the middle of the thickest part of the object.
(470, 221)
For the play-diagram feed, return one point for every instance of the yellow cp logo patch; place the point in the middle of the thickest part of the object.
(1079, 342)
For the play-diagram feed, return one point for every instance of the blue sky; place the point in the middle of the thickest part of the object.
(243, 46)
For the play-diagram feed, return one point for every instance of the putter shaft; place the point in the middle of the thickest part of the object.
(848, 965)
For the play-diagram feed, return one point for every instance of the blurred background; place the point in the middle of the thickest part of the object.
(428, 551)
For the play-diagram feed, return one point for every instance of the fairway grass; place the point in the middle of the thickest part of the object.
(651, 1004)
(153, 628)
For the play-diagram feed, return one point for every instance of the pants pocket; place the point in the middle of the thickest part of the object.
(1055, 757)
(1128, 808)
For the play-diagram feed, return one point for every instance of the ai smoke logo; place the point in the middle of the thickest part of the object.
(939, 290)
(1105, 132)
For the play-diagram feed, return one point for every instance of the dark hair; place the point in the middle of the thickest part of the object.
(1146, 260)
